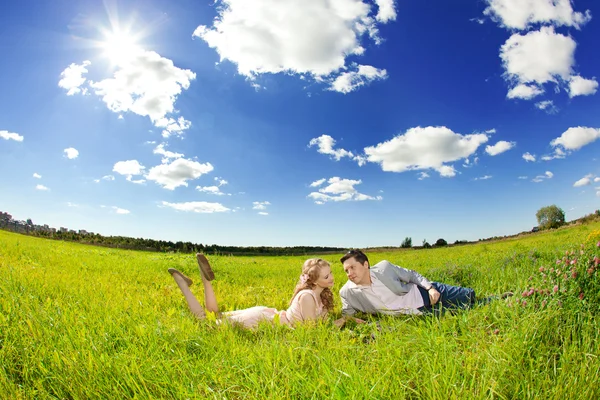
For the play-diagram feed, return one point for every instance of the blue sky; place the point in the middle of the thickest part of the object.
(348, 123)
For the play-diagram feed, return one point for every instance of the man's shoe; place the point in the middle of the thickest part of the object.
(187, 280)
(205, 268)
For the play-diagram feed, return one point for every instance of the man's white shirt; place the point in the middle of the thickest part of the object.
(387, 302)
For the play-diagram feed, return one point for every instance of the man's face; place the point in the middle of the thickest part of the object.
(357, 272)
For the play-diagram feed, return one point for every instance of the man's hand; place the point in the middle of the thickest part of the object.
(342, 321)
(434, 295)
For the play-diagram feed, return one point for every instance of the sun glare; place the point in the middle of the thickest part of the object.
(119, 46)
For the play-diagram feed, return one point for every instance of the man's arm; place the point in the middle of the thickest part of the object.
(408, 275)
(347, 309)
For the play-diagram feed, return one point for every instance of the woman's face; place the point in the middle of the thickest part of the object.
(325, 279)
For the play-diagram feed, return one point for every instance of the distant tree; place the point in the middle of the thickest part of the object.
(441, 242)
(550, 217)
(29, 222)
(426, 245)
(406, 243)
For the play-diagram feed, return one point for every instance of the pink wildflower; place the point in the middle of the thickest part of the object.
(573, 261)
(496, 331)
(581, 296)
(590, 271)
(596, 261)
(598, 244)
(555, 289)
(541, 269)
(544, 303)
(525, 293)
(524, 303)
(573, 273)
(558, 262)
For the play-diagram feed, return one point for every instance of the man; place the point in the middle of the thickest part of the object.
(389, 289)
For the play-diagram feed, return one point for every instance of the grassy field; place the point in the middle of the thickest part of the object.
(82, 322)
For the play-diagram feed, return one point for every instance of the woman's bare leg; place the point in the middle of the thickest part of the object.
(191, 300)
(210, 300)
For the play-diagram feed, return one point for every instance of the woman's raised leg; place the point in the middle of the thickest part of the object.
(184, 285)
(207, 274)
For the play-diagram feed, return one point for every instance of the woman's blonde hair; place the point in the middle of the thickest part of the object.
(311, 270)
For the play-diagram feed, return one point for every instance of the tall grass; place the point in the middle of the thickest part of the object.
(80, 322)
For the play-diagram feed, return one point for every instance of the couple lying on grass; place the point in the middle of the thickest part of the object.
(384, 288)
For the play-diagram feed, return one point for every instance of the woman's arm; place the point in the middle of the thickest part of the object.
(308, 307)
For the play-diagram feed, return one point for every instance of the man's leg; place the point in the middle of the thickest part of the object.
(455, 296)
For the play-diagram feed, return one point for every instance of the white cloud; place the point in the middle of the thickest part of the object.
(347, 82)
(529, 157)
(468, 163)
(537, 57)
(425, 148)
(318, 183)
(586, 180)
(597, 179)
(499, 147)
(540, 178)
(146, 84)
(521, 14)
(522, 177)
(197, 206)
(263, 213)
(73, 205)
(129, 168)
(579, 86)
(387, 10)
(173, 126)
(210, 190)
(167, 155)
(175, 174)
(120, 210)
(37, 176)
(547, 105)
(6, 135)
(577, 137)
(108, 178)
(559, 153)
(526, 92)
(260, 205)
(310, 38)
(340, 190)
(41, 187)
(423, 175)
(72, 78)
(483, 178)
(71, 153)
(325, 145)
(220, 181)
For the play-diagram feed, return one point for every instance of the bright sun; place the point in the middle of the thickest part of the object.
(119, 46)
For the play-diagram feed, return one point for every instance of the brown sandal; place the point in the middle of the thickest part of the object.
(205, 268)
(187, 280)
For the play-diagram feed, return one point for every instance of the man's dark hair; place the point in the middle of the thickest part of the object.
(358, 255)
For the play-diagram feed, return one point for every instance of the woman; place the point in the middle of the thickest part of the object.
(312, 298)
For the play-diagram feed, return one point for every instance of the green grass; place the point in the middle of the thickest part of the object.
(82, 322)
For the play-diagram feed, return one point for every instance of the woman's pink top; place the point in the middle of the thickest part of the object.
(294, 312)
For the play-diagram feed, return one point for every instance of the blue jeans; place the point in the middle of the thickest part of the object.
(451, 298)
